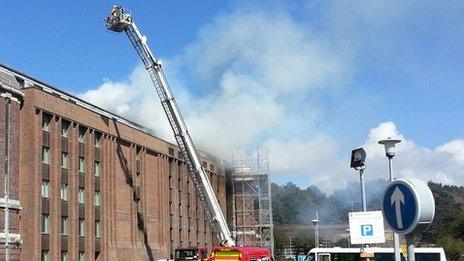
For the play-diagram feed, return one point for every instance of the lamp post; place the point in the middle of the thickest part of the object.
(389, 145)
(315, 222)
(358, 157)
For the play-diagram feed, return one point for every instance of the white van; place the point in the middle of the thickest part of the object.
(380, 254)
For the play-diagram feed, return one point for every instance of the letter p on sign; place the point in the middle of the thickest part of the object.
(366, 230)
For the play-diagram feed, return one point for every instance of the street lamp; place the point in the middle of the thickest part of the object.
(390, 150)
(315, 222)
(358, 158)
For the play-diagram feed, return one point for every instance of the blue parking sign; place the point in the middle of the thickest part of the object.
(367, 230)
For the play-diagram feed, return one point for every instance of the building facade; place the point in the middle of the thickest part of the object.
(85, 184)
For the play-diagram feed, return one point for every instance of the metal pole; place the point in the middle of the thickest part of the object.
(363, 195)
(7, 180)
(396, 237)
(317, 230)
(390, 168)
(410, 243)
(317, 235)
(363, 190)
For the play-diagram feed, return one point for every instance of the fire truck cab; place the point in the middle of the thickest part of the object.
(240, 253)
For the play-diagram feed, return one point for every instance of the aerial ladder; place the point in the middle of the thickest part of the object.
(120, 20)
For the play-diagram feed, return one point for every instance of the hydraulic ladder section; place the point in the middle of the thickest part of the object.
(120, 20)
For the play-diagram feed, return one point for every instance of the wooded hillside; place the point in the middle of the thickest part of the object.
(295, 206)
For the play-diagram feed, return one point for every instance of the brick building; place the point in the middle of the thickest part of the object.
(81, 183)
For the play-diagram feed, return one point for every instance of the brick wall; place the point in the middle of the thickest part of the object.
(148, 205)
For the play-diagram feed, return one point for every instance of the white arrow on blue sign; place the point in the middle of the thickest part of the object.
(396, 199)
(408, 206)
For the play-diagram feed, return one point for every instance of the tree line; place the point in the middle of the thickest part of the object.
(293, 205)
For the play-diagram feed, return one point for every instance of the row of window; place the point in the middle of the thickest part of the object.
(64, 161)
(65, 129)
(64, 256)
(65, 226)
(64, 193)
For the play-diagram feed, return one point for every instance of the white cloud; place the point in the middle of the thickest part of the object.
(385, 130)
(455, 149)
(443, 164)
(322, 160)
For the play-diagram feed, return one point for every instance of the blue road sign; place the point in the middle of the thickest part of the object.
(406, 203)
(399, 207)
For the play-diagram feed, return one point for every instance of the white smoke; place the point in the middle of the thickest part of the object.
(257, 77)
(254, 68)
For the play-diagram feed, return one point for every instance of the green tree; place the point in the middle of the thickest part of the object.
(452, 246)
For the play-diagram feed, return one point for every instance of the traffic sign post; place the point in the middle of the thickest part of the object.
(408, 208)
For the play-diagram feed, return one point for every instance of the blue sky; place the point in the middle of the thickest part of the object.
(71, 35)
(304, 78)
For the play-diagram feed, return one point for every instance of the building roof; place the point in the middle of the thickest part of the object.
(17, 79)
(8, 80)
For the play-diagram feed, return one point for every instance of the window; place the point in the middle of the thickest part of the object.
(44, 255)
(96, 198)
(81, 164)
(97, 229)
(82, 131)
(324, 257)
(64, 128)
(64, 225)
(46, 119)
(81, 196)
(45, 223)
(45, 189)
(64, 191)
(81, 227)
(45, 155)
(310, 257)
(64, 255)
(96, 167)
(64, 160)
(96, 139)
(81, 256)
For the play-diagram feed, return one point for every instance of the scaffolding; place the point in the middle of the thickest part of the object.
(252, 200)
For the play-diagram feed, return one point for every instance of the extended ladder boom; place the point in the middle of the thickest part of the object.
(121, 21)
